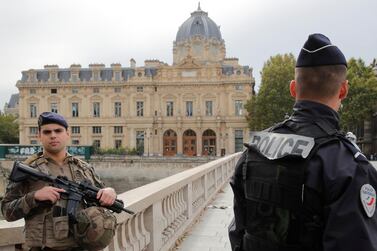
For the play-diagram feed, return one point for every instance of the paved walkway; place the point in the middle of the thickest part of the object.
(210, 233)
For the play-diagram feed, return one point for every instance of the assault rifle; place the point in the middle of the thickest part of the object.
(75, 192)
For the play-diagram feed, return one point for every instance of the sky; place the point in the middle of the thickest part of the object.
(40, 32)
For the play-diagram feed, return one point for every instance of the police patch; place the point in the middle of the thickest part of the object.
(368, 199)
(278, 145)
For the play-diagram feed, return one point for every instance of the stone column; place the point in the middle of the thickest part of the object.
(179, 141)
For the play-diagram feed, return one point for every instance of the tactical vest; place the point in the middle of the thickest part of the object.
(282, 214)
(42, 227)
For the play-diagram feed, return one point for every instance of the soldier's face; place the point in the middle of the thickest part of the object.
(53, 137)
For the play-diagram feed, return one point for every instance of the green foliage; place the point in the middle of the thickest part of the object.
(9, 133)
(115, 151)
(273, 100)
(362, 96)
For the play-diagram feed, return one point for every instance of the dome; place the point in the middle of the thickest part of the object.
(198, 24)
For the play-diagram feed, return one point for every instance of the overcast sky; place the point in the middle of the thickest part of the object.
(39, 32)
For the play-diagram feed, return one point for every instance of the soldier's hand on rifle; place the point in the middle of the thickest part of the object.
(106, 196)
(48, 193)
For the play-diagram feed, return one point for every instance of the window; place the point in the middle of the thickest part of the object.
(53, 76)
(118, 129)
(139, 89)
(75, 142)
(96, 130)
(118, 143)
(75, 129)
(155, 88)
(117, 75)
(97, 143)
(140, 142)
(117, 89)
(189, 108)
(96, 90)
(118, 109)
(74, 77)
(75, 110)
(33, 142)
(95, 75)
(169, 108)
(238, 140)
(96, 109)
(32, 91)
(238, 87)
(209, 106)
(54, 91)
(33, 130)
(54, 107)
(33, 110)
(238, 106)
(75, 90)
(140, 108)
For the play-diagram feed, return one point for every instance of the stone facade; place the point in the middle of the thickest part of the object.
(193, 107)
(12, 108)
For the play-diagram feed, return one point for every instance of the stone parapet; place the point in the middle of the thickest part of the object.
(163, 209)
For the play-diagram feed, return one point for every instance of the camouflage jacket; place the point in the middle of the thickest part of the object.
(41, 228)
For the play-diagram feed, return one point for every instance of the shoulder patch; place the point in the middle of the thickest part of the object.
(32, 158)
(80, 163)
(278, 145)
(368, 199)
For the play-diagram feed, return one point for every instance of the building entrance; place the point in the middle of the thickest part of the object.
(189, 143)
(209, 143)
(170, 143)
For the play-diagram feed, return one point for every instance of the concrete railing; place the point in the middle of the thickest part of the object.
(164, 209)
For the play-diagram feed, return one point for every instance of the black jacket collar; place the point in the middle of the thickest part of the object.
(313, 111)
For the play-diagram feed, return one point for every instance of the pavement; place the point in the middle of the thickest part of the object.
(210, 233)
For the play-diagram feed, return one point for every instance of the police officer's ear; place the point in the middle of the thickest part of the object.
(343, 90)
(292, 88)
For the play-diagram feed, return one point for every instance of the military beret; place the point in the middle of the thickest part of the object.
(51, 118)
(318, 51)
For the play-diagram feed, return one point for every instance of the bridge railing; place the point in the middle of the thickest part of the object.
(164, 209)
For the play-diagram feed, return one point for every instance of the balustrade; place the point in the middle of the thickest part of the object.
(164, 209)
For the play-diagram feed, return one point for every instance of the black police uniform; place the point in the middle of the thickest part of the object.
(330, 215)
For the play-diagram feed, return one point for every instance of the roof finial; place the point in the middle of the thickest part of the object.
(199, 6)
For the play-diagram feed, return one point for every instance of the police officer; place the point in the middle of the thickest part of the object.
(302, 185)
(41, 205)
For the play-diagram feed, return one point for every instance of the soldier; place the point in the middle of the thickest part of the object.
(302, 185)
(44, 209)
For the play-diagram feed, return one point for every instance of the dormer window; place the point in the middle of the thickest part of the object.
(95, 76)
(117, 75)
(53, 76)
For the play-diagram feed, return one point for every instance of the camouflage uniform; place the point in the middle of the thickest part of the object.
(42, 227)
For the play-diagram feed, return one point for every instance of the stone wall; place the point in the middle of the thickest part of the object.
(164, 210)
(125, 173)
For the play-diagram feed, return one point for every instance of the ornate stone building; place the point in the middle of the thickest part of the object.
(12, 106)
(193, 107)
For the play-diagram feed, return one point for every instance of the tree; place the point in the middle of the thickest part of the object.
(362, 96)
(273, 100)
(8, 130)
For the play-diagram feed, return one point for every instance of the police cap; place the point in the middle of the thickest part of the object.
(51, 118)
(318, 51)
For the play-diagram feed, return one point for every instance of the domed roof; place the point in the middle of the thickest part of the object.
(198, 24)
